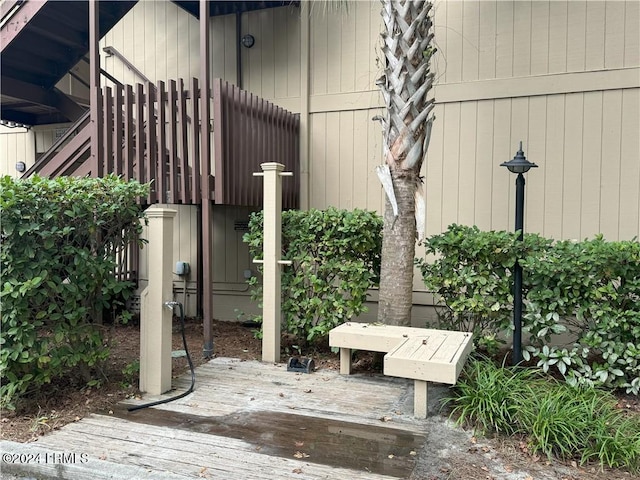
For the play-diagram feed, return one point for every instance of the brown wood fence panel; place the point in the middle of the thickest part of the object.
(150, 137)
(249, 131)
(151, 133)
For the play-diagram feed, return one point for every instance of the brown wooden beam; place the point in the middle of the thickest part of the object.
(94, 93)
(48, 98)
(205, 150)
(18, 21)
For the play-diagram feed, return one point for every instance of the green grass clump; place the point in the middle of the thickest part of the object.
(558, 420)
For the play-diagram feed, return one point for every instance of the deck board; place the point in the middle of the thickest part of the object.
(248, 420)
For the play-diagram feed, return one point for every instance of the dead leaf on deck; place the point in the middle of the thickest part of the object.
(299, 454)
(474, 439)
(385, 419)
(296, 470)
(299, 444)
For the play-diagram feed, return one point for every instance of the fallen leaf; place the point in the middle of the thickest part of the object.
(281, 394)
(574, 464)
(391, 455)
(102, 457)
(299, 454)
(474, 440)
(299, 444)
(385, 419)
(296, 470)
(413, 453)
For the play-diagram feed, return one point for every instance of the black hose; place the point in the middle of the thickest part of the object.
(193, 373)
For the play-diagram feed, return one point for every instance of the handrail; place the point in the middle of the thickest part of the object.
(8, 8)
(71, 132)
(109, 50)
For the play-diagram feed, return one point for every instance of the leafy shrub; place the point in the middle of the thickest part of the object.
(336, 259)
(59, 241)
(473, 274)
(589, 290)
(558, 419)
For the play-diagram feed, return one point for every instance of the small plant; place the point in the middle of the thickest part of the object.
(558, 420)
(131, 372)
(489, 396)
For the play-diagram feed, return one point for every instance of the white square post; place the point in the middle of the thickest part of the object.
(272, 244)
(155, 318)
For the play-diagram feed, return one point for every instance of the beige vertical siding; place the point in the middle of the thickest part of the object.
(580, 142)
(16, 145)
(162, 41)
(480, 40)
(345, 149)
(535, 71)
(271, 68)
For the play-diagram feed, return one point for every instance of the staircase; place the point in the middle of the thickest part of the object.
(40, 41)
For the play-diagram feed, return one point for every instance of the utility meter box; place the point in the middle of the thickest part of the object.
(182, 269)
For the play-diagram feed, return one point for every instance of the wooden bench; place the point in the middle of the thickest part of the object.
(420, 354)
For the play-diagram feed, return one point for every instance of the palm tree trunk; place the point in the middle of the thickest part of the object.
(405, 85)
(398, 251)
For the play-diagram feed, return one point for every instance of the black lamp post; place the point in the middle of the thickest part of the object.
(519, 164)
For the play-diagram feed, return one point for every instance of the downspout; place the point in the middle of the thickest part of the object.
(205, 152)
(238, 49)
(94, 93)
(305, 37)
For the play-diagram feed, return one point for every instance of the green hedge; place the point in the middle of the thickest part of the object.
(336, 259)
(59, 239)
(589, 290)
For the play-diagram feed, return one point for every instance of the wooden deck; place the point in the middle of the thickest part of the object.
(249, 420)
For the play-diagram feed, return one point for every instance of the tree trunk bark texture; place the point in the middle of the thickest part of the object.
(398, 252)
(405, 84)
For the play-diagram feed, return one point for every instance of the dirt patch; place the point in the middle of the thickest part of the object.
(449, 453)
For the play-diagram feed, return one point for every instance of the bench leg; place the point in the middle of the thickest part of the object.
(420, 399)
(345, 361)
